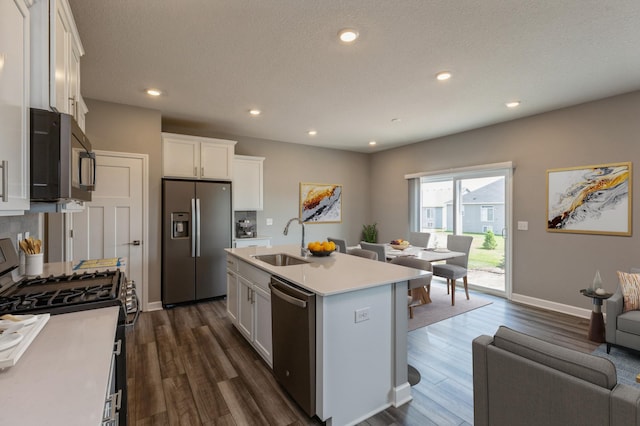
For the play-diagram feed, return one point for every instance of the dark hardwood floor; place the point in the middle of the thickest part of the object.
(189, 366)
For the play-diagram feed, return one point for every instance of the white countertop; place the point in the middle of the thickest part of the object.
(326, 276)
(62, 377)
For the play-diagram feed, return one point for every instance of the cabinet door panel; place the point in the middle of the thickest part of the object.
(245, 308)
(232, 296)
(214, 161)
(263, 340)
(247, 179)
(60, 46)
(14, 131)
(180, 158)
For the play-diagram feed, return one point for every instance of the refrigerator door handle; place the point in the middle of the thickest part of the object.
(197, 227)
(194, 225)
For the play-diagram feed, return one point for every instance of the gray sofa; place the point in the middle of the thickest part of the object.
(521, 380)
(621, 328)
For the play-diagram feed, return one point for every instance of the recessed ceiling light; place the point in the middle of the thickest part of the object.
(443, 75)
(312, 132)
(372, 143)
(348, 35)
(513, 104)
(154, 92)
(255, 112)
(396, 120)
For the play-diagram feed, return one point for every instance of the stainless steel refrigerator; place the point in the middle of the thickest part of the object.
(196, 227)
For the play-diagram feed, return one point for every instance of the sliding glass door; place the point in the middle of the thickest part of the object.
(474, 203)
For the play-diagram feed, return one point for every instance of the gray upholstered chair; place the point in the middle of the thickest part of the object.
(621, 328)
(340, 244)
(367, 254)
(419, 239)
(378, 248)
(419, 288)
(455, 268)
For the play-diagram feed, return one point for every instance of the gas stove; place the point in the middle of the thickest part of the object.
(67, 292)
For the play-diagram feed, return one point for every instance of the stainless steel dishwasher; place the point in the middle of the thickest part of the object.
(293, 321)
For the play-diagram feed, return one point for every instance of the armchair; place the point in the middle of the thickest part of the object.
(621, 328)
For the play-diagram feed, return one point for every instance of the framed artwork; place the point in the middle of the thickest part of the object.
(320, 203)
(590, 199)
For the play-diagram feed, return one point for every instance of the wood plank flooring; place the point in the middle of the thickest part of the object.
(189, 366)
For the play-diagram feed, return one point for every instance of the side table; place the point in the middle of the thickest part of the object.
(596, 324)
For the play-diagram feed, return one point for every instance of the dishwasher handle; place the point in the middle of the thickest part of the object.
(289, 299)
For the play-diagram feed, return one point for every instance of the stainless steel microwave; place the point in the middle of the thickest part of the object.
(63, 167)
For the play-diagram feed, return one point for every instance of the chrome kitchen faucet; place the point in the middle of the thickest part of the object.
(303, 250)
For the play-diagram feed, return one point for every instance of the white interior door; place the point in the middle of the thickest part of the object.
(113, 224)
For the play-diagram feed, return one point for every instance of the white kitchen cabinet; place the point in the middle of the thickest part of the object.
(56, 50)
(194, 157)
(14, 107)
(245, 308)
(252, 242)
(247, 182)
(232, 296)
(249, 304)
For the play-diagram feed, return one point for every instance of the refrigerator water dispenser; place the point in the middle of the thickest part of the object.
(180, 225)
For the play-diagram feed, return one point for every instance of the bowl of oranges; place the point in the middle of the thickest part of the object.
(324, 248)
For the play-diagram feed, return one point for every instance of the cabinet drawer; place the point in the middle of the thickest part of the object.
(232, 263)
(254, 275)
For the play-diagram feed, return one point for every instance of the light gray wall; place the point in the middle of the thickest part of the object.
(10, 226)
(549, 266)
(122, 128)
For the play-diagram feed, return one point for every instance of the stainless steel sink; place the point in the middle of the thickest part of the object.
(280, 259)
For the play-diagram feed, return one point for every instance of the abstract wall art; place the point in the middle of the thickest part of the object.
(320, 203)
(590, 199)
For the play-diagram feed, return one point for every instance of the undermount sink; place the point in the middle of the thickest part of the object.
(280, 259)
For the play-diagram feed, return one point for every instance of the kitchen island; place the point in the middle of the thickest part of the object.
(361, 327)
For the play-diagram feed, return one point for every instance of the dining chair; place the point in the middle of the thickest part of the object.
(419, 239)
(367, 254)
(340, 243)
(419, 288)
(378, 248)
(455, 268)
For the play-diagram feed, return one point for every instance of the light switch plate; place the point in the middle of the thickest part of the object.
(523, 226)
(269, 221)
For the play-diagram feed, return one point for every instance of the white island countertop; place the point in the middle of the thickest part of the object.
(62, 377)
(326, 276)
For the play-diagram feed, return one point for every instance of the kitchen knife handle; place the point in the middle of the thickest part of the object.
(193, 227)
(197, 227)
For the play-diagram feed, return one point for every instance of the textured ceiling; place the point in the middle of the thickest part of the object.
(217, 59)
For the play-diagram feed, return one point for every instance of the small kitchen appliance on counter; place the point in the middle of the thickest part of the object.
(245, 228)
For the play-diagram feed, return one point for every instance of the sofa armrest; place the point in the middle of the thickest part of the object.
(625, 405)
(480, 380)
(613, 306)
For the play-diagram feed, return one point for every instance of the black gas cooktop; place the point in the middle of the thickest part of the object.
(63, 293)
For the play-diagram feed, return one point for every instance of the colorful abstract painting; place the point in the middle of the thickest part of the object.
(590, 199)
(320, 203)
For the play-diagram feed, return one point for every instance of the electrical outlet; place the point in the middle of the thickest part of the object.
(19, 238)
(362, 314)
(26, 235)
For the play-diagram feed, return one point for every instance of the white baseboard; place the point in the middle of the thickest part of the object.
(552, 306)
(153, 306)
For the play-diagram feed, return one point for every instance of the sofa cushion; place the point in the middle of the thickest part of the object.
(593, 369)
(629, 322)
(630, 286)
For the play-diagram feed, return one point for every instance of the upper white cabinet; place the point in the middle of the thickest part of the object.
(55, 58)
(247, 182)
(14, 107)
(193, 157)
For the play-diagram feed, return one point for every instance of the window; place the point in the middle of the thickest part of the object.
(486, 214)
